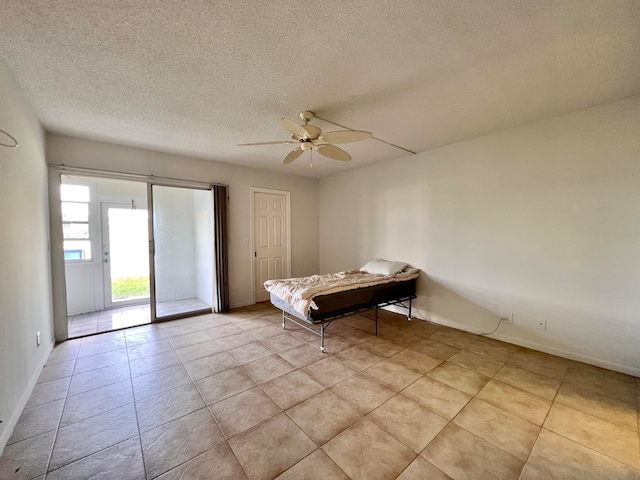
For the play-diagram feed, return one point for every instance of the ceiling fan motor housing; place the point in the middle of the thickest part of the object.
(306, 116)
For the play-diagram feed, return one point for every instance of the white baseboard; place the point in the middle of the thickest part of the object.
(24, 398)
(570, 355)
(598, 362)
(241, 304)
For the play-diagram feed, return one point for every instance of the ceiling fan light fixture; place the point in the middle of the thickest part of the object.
(310, 137)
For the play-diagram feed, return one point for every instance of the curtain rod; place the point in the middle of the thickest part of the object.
(129, 176)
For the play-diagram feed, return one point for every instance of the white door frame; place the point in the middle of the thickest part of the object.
(253, 191)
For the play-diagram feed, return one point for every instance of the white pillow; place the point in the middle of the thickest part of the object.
(383, 267)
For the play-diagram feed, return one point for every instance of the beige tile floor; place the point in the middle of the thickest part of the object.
(234, 396)
(129, 316)
(107, 320)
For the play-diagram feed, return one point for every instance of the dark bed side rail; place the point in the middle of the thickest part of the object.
(326, 322)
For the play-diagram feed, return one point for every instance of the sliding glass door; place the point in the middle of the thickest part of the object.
(182, 251)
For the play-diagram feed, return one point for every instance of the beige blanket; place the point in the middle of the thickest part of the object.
(299, 292)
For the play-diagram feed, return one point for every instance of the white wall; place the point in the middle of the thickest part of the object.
(175, 243)
(304, 198)
(542, 221)
(80, 288)
(25, 289)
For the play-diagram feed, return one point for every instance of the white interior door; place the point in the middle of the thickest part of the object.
(125, 260)
(271, 239)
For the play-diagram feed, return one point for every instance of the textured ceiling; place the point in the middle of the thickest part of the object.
(199, 77)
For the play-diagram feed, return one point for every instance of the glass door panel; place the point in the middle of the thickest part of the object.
(183, 251)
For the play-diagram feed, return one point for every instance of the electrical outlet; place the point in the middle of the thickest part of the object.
(38, 339)
(542, 325)
(507, 318)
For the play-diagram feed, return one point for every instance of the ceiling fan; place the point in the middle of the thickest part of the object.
(310, 137)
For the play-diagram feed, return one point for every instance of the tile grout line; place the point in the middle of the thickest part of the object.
(55, 436)
(475, 396)
(574, 441)
(359, 344)
(592, 449)
(135, 406)
(226, 440)
(87, 456)
(544, 421)
(91, 416)
(135, 409)
(259, 385)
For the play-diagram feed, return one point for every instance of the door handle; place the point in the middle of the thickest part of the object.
(106, 260)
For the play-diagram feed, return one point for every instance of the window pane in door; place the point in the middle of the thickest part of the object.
(75, 212)
(75, 230)
(77, 250)
(74, 193)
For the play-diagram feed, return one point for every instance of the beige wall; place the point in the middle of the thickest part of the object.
(77, 152)
(542, 221)
(25, 290)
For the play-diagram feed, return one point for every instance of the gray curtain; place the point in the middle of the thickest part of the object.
(220, 247)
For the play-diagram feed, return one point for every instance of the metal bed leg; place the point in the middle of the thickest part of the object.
(409, 317)
(376, 320)
(323, 325)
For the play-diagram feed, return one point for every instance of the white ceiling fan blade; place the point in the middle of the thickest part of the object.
(307, 131)
(313, 132)
(333, 152)
(294, 128)
(345, 136)
(292, 155)
(288, 142)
